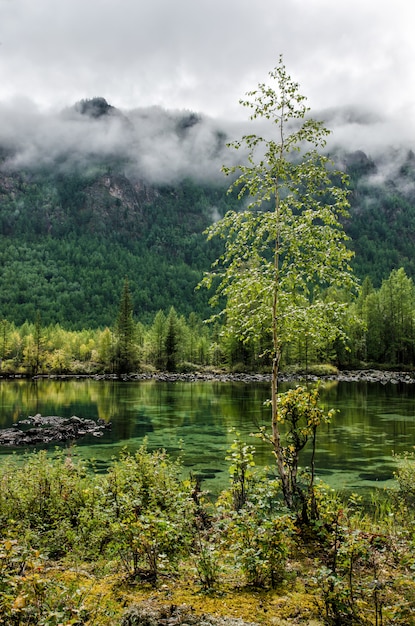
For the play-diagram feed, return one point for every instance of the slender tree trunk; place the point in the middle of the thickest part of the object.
(276, 435)
(314, 511)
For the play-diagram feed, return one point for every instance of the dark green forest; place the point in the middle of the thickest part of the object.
(382, 214)
(68, 257)
(72, 231)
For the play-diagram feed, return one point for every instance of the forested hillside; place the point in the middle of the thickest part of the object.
(75, 223)
(382, 216)
(68, 243)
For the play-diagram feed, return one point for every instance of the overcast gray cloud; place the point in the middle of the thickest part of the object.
(202, 56)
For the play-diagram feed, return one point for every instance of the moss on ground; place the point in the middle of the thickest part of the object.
(107, 598)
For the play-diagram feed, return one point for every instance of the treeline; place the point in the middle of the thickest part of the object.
(169, 342)
(388, 316)
(379, 324)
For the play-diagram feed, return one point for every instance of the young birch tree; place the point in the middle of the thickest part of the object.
(285, 255)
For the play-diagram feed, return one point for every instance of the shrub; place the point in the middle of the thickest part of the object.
(260, 545)
(150, 511)
(405, 476)
(29, 596)
(44, 497)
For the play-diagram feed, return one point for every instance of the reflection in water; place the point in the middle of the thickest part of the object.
(355, 451)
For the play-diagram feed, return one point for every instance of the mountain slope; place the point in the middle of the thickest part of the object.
(382, 222)
(131, 196)
(68, 244)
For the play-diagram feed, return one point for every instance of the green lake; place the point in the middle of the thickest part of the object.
(356, 451)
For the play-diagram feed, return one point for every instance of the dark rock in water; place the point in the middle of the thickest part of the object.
(205, 476)
(376, 476)
(49, 429)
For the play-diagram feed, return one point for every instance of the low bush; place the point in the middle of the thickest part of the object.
(78, 547)
(149, 513)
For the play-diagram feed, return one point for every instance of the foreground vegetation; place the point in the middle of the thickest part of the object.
(78, 547)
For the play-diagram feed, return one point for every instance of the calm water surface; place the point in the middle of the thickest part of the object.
(356, 451)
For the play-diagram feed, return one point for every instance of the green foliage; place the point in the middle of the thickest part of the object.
(148, 512)
(405, 476)
(140, 510)
(299, 415)
(286, 261)
(241, 456)
(43, 498)
(258, 531)
(77, 280)
(67, 245)
(207, 560)
(29, 596)
(125, 347)
(389, 317)
(358, 583)
(64, 530)
(172, 341)
(382, 213)
(260, 545)
(33, 349)
(280, 259)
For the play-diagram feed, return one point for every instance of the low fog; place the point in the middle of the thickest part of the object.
(174, 73)
(157, 145)
(163, 146)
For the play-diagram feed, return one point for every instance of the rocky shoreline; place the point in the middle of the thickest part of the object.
(39, 429)
(370, 376)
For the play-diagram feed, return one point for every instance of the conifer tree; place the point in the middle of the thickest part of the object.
(126, 353)
(171, 342)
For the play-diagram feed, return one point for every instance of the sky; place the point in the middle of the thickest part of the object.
(354, 60)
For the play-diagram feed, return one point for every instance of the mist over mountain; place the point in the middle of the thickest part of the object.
(156, 145)
(163, 146)
(91, 194)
